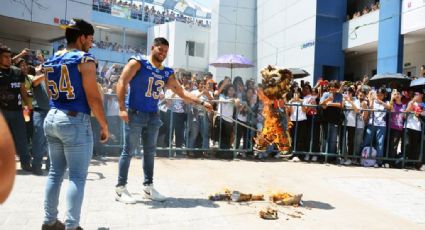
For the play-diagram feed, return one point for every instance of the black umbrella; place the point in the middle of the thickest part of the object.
(298, 73)
(391, 80)
(418, 83)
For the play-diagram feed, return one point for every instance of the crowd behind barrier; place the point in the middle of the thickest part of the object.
(348, 123)
(342, 122)
(147, 14)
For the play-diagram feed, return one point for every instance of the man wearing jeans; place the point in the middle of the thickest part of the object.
(71, 75)
(41, 107)
(331, 103)
(140, 112)
(12, 91)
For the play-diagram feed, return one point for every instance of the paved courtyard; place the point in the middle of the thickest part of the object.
(334, 197)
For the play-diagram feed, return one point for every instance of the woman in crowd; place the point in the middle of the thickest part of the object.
(179, 115)
(226, 109)
(414, 128)
(199, 123)
(310, 97)
(376, 127)
(297, 114)
(239, 88)
(242, 117)
(354, 121)
(396, 124)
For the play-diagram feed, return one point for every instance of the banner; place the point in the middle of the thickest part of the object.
(122, 12)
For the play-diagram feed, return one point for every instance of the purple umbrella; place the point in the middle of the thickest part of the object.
(232, 61)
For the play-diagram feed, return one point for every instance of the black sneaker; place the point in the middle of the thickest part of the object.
(26, 167)
(56, 226)
(37, 171)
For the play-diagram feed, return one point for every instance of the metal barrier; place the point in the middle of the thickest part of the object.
(341, 150)
(117, 130)
(318, 134)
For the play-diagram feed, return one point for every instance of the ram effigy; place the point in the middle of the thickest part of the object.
(275, 133)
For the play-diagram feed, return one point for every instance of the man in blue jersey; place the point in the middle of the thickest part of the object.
(71, 75)
(147, 78)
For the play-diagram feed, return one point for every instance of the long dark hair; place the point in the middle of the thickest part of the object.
(226, 90)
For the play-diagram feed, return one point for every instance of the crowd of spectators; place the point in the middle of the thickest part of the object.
(119, 48)
(367, 9)
(353, 119)
(327, 117)
(349, 119)
(149, 14)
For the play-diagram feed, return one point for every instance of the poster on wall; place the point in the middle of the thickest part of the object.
(121, 12)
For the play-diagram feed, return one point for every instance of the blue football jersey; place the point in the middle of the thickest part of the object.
(146, 86)
(65, 80)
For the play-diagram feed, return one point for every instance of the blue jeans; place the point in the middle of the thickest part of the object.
(199, 125)
(15, 121)
(70, 143)
(330, 134)
(147, 125)
(39, 142)
(379, 133)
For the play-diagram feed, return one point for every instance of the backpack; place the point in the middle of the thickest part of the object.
(368, 157)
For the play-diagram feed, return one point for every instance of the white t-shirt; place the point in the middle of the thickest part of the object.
(350, 115)
(378, 117)
(177, 104)
(226, 108)
(301, 114)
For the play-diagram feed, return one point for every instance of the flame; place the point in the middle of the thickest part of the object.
(273, 132)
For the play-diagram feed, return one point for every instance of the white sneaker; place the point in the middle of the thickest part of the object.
(295, 159)
(314, 158)
(151, 193)
(122, 195)
(348, 162)
(307, 158)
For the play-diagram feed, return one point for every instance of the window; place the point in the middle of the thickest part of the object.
(195, 49)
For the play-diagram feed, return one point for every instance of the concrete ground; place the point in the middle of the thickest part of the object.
(334, 197)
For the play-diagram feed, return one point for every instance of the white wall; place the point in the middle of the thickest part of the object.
(413, 15)
(46, 10)
(415, 54)
(177, 34)
(283, 27)
(352, 37)
(233, 32)
(360, 65)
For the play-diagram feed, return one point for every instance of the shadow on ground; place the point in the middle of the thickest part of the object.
(317, 205)
(180, 203)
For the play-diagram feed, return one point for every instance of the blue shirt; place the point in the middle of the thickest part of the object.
(65, 80)
(146, 86)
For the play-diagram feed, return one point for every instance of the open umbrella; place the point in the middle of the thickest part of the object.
(390, 80)
(232, 61)
(298, 73)
(418, 83)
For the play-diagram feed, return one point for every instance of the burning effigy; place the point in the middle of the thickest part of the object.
(275, 133)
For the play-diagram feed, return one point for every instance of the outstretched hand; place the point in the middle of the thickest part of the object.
(208, 106)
